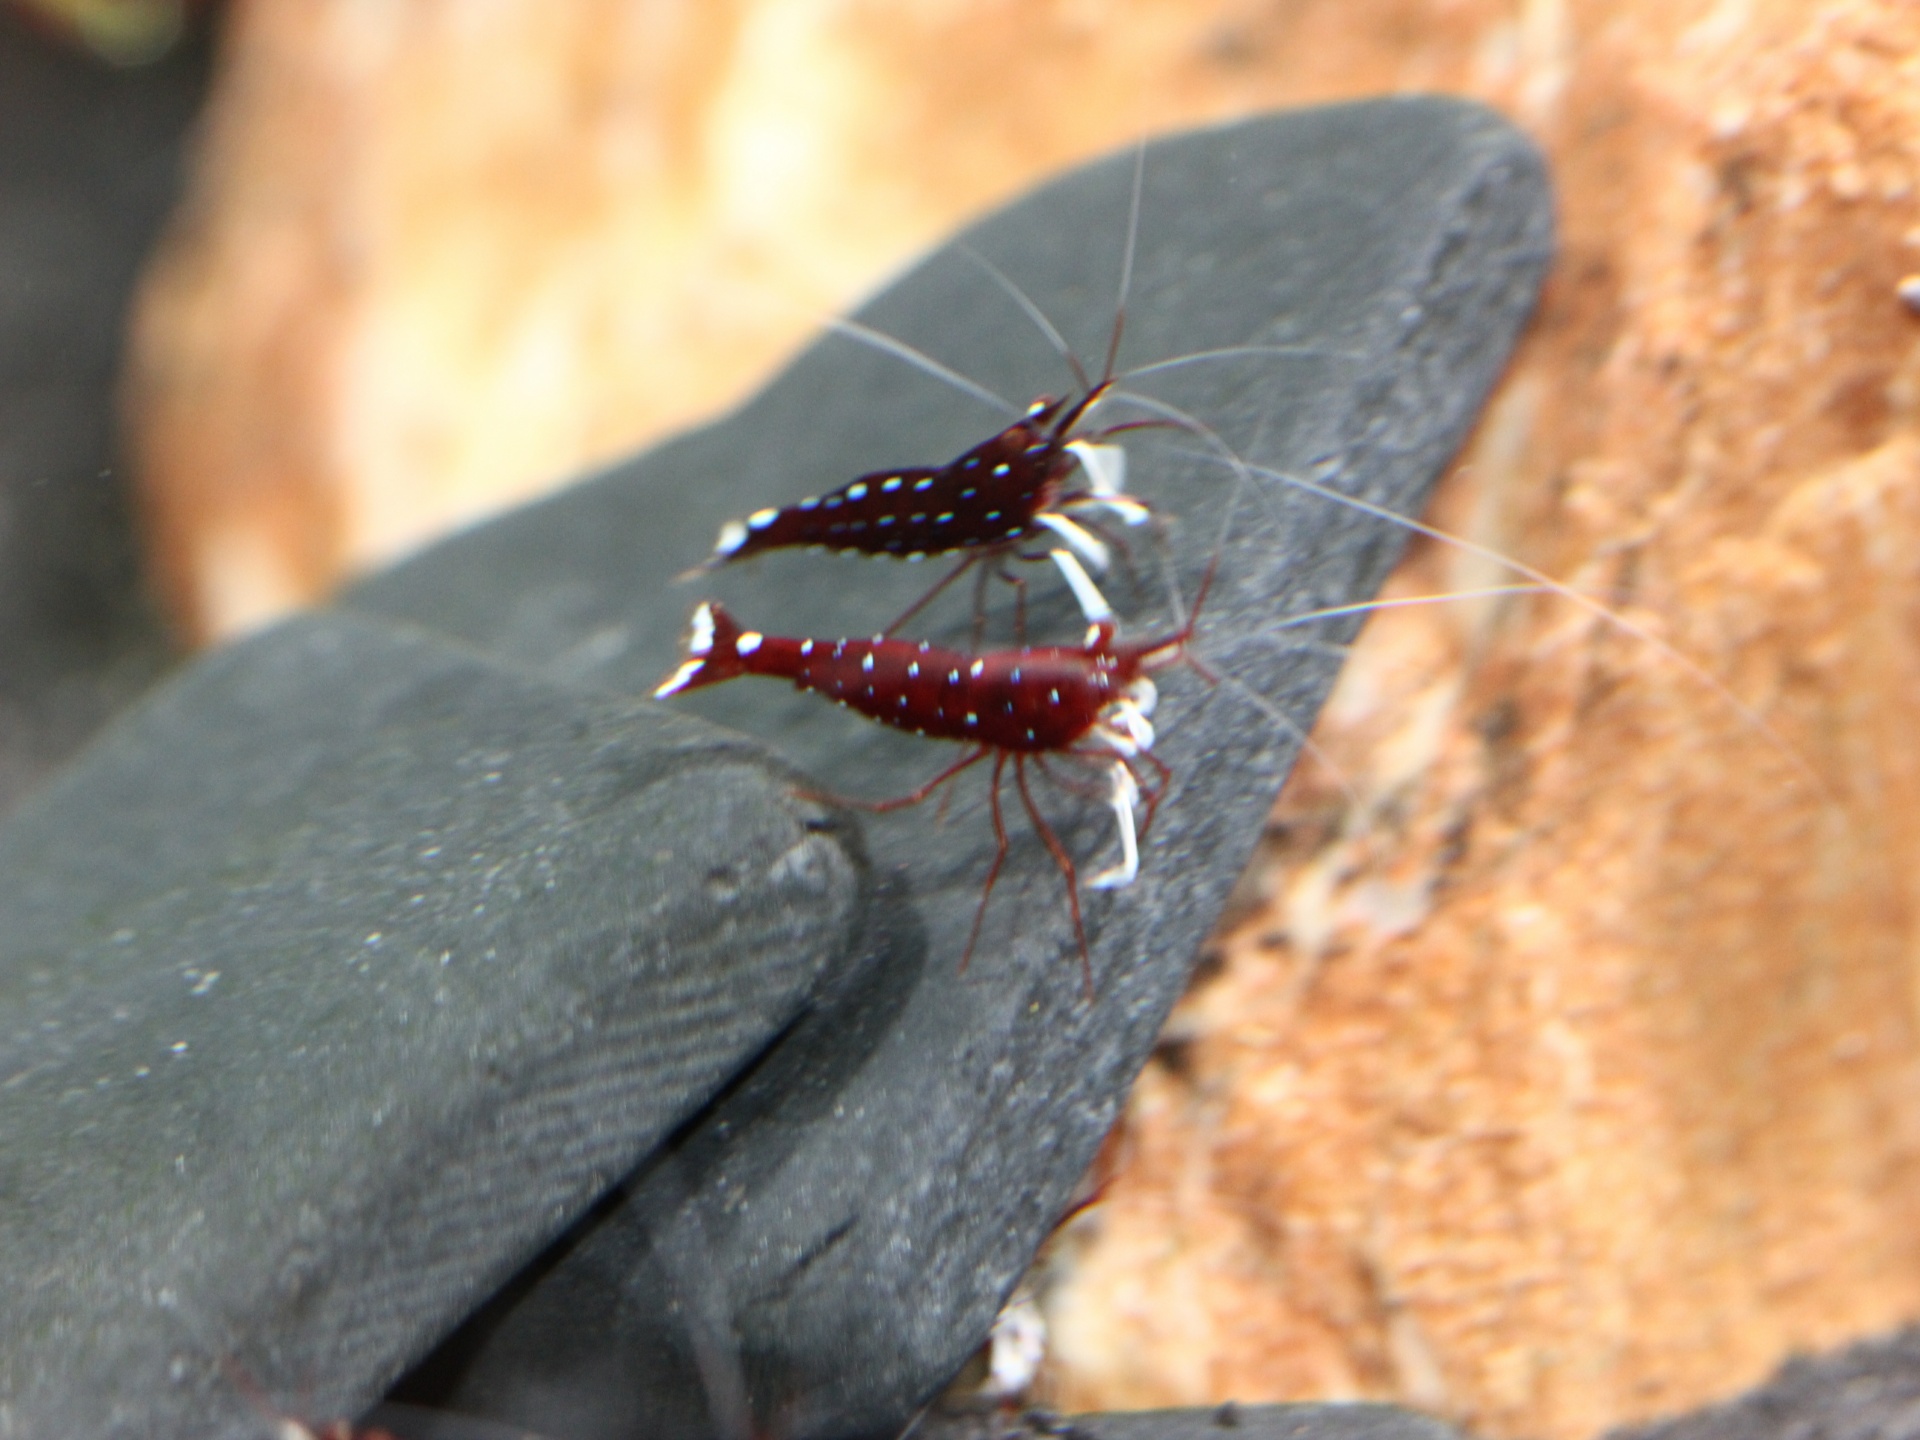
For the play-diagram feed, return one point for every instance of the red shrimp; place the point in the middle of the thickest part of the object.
(1038, 482)
(1090, 702)
(1010, 491)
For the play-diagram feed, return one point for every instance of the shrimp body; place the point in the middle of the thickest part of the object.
(988, 496)
(1031, 700)
(1013, 489)
(1089, 703)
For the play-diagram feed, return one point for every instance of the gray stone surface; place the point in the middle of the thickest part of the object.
(337, 978)
(847, 1218)
(1869, 1391)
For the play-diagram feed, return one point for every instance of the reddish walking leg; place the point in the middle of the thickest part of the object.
(921, 604)
(903, 802)
(1064, 861)
(999, 857)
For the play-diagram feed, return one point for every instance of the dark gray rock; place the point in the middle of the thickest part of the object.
(848, 1217)
(338, 978)
(1869, 1391)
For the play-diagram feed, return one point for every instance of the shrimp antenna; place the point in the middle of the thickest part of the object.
(1032, 311)
(1245, 471)
(1559, 588)
(1338, 653)
(1238, 352)
(1039, 317)
(920, 360)
(1126, 262)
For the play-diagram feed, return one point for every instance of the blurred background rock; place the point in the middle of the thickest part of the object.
(90, 164)
(1563, 1067)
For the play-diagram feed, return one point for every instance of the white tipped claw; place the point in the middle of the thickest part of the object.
(1086, 545)
(1126, 795)
(1106, 467)
(1092, 603)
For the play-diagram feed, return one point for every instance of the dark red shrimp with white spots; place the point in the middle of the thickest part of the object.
(1013, 490)
(1040, 488)
(1090, 703)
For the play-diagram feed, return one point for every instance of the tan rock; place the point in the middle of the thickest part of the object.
(1565, 1067)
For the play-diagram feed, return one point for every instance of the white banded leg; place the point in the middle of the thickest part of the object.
(1092, 603)
(1125, 796)
(1106, 470)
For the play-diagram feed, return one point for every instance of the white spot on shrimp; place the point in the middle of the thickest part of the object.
(748, 642)
(913, 671)
(953, 677)
(806, 647)
(977, 669)
(867, 664)
(809, 503)
(891, 484)
(760, 519)
(972, 719)
(732, 536)
(1053, 696)
(1002, 469)
(926, 484)
(700, 641)
(943, 519)
(1016, 674)
(857, 491)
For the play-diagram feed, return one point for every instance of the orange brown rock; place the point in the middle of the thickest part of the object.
(1564, 1068)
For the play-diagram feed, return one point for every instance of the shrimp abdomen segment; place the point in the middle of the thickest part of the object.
(1023, 700)
(986, 497)
(1033, 700)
